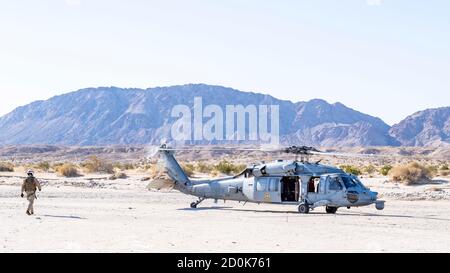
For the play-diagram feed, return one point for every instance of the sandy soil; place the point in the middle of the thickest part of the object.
(98, 215)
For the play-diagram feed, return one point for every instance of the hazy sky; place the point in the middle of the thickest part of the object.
(387, 58)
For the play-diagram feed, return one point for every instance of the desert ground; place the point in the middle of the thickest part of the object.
(94, 214)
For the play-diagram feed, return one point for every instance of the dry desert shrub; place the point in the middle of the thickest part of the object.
(215, 173)
(188, 168)
(68, 170)
(351, 169)
(157, 172)
(227, 167)
(433, 170)
(145, 166)
(154, 169)
(444, 170)
(119, 175)
(223, 167)
(96, 165)
(385, 170)
(124, 166)
(203, 167)
(43, 166)
(411, 173)
(6, 167)
(369, 169)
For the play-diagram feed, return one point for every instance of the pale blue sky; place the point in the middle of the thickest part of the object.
(387, 58)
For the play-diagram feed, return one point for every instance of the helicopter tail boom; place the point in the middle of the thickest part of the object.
(174, 170)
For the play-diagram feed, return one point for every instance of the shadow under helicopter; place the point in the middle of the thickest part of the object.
(322, 214)
(207, 208)
(64, 217)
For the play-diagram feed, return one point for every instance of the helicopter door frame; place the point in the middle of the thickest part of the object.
(294, 190)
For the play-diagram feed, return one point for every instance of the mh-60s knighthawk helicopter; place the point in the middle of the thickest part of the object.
(297, 182)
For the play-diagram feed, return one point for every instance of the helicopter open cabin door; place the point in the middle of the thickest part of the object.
(267, 190)
(290, 189)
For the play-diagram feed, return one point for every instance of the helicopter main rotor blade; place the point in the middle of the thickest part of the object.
(208, 150)
(358, 155)
(153, 150)
(263, 148)
(346, 154)
(297, 150)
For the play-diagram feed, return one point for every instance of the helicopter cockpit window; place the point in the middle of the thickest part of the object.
(349, 182)
(335, 184)
(357, 181)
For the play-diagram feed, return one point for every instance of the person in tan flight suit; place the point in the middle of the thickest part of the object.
(29, 186)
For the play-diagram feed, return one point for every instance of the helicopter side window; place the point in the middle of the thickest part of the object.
(274, 184)
(261, 184)
(334, 184)
(268, 184)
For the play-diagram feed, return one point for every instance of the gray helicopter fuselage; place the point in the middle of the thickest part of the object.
(230, 188)
(281, 182)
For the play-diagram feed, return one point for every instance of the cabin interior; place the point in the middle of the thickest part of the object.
(290, 189)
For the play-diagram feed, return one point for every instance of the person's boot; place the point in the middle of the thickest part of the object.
(28, 212)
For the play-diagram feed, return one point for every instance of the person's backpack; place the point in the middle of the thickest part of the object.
(30, 185)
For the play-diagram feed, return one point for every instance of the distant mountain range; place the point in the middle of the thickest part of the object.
(110, 115)
(425, 128)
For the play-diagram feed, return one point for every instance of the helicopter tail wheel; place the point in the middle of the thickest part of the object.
(303, 208)
(195, 204)
(331, 210)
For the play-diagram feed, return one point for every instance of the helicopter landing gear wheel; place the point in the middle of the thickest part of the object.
(331, 210)
(303, 209)
(195, 204)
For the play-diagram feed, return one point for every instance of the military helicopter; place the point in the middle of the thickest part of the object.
(296, 182)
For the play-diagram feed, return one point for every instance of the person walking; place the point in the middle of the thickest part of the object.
(29, 186)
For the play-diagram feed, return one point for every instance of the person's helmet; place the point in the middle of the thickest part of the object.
(30, 172)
